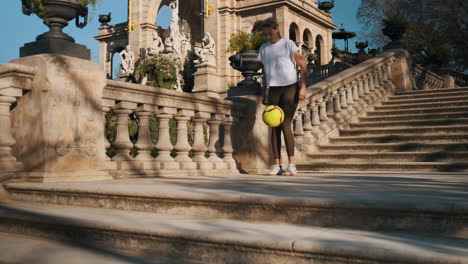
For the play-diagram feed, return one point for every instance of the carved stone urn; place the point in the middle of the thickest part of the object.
(248, 64)
(56, 14)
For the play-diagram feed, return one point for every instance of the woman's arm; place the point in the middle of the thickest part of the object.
(302, 64)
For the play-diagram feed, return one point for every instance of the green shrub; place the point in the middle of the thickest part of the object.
(161, 69)
(246, 41)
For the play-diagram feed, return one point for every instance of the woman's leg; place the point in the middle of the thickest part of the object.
(288, 102)
(274, 99)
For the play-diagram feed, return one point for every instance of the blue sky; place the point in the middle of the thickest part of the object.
(18, 29)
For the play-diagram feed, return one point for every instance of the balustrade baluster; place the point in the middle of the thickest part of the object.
(214, 144)
(182, 147)
(227, 146)
(7, 160)
(122, 142)
(164, 145)
(199, 147)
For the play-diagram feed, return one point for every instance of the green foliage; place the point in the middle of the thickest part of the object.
(245, 41)
(111, 132)
(40, 10)
(439, 56)
(396, 21)
(160, 69)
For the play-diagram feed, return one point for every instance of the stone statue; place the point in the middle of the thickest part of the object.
(127, 58)
(174, 26)
(157, 46)
(206, 52)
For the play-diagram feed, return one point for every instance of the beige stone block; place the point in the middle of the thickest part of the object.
(59, 124)
(207, 79)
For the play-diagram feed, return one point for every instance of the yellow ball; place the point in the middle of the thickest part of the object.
(273, 115)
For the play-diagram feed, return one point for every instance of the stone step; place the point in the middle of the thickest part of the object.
(396, 147)
(401, 138)
(405, 130)
(430, 116)
(367, 203)
(20, 249)
(430, 110)
(415, 106)
(441, 99)
(460, 92)
(435, 91)
(373, 166)
(201, 240)
(420, 156)
(411, 123)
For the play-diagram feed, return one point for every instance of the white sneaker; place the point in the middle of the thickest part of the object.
(276, 170)
(291, 170)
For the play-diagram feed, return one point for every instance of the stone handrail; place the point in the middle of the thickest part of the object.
(338, 101)
(146, 102)
(15, 80)
(461, 79)
(426, 79)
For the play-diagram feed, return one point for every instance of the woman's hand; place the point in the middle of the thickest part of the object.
(302, 92)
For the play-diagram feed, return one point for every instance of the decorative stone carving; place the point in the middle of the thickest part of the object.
(128, 61)
(157, 46)
(206, 51)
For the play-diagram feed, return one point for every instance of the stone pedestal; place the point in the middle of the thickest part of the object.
(207, 81)
(251, 137)
(55, 46)
(59, 124)
(449, 81)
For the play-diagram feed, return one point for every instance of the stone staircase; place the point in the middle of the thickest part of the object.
(312, 218)
(410, 131)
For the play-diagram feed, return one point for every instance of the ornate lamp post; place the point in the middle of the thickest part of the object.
(56, 14)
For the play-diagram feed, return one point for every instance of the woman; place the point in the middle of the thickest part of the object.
(279, 57)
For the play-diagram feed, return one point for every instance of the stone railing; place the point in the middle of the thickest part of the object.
(15, 80)
(338, 101)
(147, 102)
(425, 79)
(52, 125)
(461, 79)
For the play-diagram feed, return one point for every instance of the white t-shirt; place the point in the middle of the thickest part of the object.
(278, 62)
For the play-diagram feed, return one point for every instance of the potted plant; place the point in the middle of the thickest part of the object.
(161, 70)
(311, 57)
(395, 27)
(56, 14)
(246, 60)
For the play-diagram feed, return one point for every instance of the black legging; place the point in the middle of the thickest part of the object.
(286, 97)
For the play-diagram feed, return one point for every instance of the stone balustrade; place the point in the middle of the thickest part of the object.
(210, 151)
(15, 80)
(339, 100)
(425, 79)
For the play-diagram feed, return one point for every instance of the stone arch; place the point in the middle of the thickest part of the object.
(320, 49)
(189, 10)
(308, 40)
(294, 33)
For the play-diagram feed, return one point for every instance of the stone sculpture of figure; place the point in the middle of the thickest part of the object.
(207, 51)
(186, 47)
(157, 46)
(127, 58)
(174, 26)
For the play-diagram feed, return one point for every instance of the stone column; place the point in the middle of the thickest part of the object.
(214, 145)
(144, 144)
(227, 146)
(164, 146)
(182, 146)
(299, 130)
(199, 148)
(343, 98)
(336, 103)
(8, 162)
(366, 84)
(316, 132)
(122, 141)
